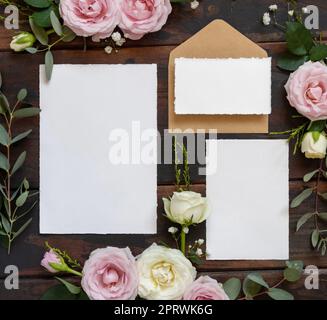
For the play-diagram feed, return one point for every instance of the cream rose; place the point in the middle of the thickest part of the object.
(314, 145)
(185, 207)
(164, 274)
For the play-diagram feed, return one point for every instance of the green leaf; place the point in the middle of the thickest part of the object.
(21, 136)
(4, 104)
(315, 238)
(60, 292)
(305, 194)
(39, 3)
(250, 288)
(22, 228)
(26, 112)
(22, 94)
(292, 275)
(26, 184)
(318, 125)
(323, 195)
(279, 294)
(69, 35)
(4, 164)
(42, 18)
(318, 52)
(5, 223)
(4, 137)
(56, 23)
(39, 32)
(70, 287)
(19, 162)
(22, 199)
(309, 176)
(232, 288)
(48, 64)
(295, 264)
(323, 216)
(31, 50)
(303, 220)
(299, 38)
(291, 62)
(257, 278)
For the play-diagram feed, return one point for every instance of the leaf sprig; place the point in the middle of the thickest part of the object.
(13, 213)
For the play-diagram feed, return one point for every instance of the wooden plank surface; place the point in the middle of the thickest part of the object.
(21, 70)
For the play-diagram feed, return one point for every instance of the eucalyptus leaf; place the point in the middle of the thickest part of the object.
(323, 216)
(318, 52)
(305, 194)
(279, 294)
(291, 62)
(4, 137)
(70, 287)
(323, 195)
(4, 163)
(19, 162)
(48, 64)
(292, 275)
(309, 175)
(21, 136)
(5, 223)
(56, 24)
(299, 38)
(26, 112)
(250, 288)
(31, 50)
(315, 238)
(4, 104)
(41, 4)
(232, 288)
(20, 201)
(257, 278)
(305, 218)
(22, 228)
(295, 264)
(22, 94)
(68, 34)
(39, 32)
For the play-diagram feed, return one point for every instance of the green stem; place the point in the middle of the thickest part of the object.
(183, 241)
(76, 273)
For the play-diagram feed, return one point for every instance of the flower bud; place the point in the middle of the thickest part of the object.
(314, 145)
(53, 262)
(22, 41)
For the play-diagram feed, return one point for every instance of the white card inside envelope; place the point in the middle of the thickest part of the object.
(248, 194)
(223, 86)
(81, 190)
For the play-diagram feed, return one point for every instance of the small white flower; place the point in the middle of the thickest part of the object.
(200, 242)
(172, 230)
(186, 230)
(273, 7)
(199, 252)
(266, 19)
(108, 49)
(190, 247)
(291, 13)
(194, 4)
(305, 10)
(116, 36)
(120, 42)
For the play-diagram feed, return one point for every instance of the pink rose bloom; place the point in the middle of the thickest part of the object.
(50, 257)
(307, 90)
(139, 17)
(96, 18)
(110, 274)
(205, 288)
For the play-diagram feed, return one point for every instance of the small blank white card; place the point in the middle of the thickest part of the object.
(86, 110)
(247, 187)
(223, 86)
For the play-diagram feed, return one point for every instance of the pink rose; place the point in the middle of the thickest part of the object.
(139, 17)
(97, 18)
(205, 288)
(110, 274)
(49, 258)
(307, 90)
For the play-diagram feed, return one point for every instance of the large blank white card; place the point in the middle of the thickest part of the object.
(247, 186)
(223, 86)
(92, 178)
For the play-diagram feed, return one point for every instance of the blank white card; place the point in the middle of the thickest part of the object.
(247, 187)
(88, 112)
(223, 86)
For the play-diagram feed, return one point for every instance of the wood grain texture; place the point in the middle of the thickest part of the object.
(21, 70)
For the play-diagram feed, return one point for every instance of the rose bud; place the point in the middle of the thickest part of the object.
(53, 262)
(22, 41)
(314, 145)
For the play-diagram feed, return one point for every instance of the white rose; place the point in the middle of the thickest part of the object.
(266, 19)
(186, 206)
(164, 274)
(314, 145)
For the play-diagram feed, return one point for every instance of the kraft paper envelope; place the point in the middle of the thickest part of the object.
(217, 40)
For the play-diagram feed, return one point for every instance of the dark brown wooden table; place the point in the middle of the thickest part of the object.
(21, 70)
